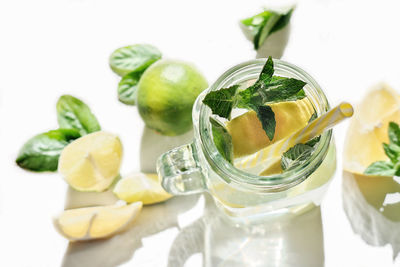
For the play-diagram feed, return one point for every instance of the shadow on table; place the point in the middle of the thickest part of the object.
(293, 242)
(152, 219)
(372, 206)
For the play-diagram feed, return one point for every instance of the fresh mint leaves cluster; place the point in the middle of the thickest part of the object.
(41, 152)
(266, 90)
(265, 23)
(392, 150)
(130, 62)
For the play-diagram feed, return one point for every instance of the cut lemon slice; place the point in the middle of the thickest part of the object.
(248, 135)
(96, 222)
(368, 128)
(141, 187)
(92, 162)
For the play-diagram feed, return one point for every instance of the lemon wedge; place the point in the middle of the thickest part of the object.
(96, 222)
(92, 162)
(248, 135)
(368, 128)
(141, 187)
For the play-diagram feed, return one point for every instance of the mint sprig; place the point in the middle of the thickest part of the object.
(222, 101)
(266, 90)
(392, 150)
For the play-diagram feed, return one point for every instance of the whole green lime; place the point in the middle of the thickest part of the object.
(166, 93)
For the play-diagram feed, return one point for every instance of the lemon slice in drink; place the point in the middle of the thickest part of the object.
(141, 187)
(248, 135)
(368, 128)
(92, 162)
(96, 222)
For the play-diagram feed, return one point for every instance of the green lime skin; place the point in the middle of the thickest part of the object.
(166, 94)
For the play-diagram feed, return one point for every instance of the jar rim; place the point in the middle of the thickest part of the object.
(230, 173)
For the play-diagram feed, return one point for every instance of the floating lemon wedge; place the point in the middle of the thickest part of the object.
(368, 128)
(92, 162)
(141, 187)
(96, 222)
(290, 117)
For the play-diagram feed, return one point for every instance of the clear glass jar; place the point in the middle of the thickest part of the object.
(245, 197)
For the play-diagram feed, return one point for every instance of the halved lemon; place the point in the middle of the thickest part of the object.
(141, 187)
(92, 162)
(368, 128)
(247, 133)
(96, 222)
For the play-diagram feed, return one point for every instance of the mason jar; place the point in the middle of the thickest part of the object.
(245, 197)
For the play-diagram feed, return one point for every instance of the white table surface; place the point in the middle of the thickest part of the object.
(49, 48)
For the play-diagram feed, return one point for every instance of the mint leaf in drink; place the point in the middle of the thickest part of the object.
(265, 23)
(382, 168)
(41, 152)
(267, 119)
(267, 71)
(394, 133)
(127, 87)
(313, 117)
(222, 140)
(313, 141)
(222, 101)
(75, 114)
(133, 58)
(295, 156)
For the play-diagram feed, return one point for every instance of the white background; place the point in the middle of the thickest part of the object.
(50, 48)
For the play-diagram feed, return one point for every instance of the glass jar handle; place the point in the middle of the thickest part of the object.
(180, 171)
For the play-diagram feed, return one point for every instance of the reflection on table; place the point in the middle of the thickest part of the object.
(372, 205)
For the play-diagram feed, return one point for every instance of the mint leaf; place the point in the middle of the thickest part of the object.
(127, 87)
(267, 71)
(267, 119)
(41, 152)
(394, 133)
(313, 117)
(313, 141)
(295, 156)
(133, 58)
(392, 151)
(381, 168)
(283, 21)
(72, 113)
(222, 140)
(265, 23)
(221, 101)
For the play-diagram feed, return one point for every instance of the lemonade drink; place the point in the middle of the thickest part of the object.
(242, 195)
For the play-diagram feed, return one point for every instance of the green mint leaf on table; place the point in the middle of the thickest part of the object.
(133, 58)
(127, 87)
(222, 140)
(41, 152)
(392, 150)
(295, 156)
(383, 168)
(73, 113)
(267, 119)
(265, 23)
(394, 133)
(222, 101)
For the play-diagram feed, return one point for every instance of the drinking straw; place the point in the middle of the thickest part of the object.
(262, 159)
